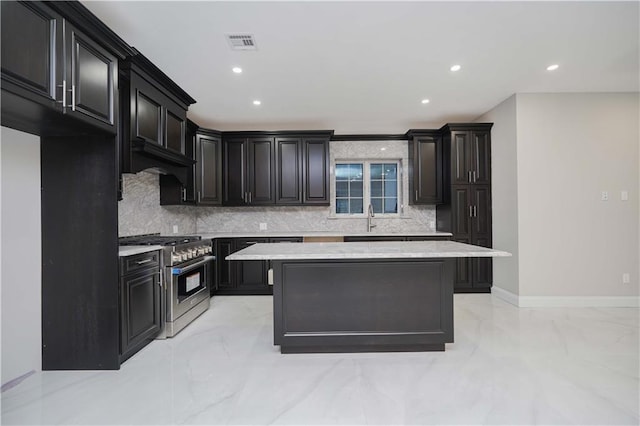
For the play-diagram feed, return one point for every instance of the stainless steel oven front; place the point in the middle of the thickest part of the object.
(187, 292)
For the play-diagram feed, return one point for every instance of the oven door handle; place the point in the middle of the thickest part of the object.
(180, 271)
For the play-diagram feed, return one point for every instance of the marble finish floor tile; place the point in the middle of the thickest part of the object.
(508, 366)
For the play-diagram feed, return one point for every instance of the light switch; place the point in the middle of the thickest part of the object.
(175, 229)
(263, 226)
(624, 195)
(605, 196)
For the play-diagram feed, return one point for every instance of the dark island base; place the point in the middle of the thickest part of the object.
(381, 305)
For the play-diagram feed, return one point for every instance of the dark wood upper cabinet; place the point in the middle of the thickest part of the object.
(234, 172)
(261, 171)
(93, 74)
(288, 171)
(470, 153)
(267, 168)
(481, 157)
(31, 42)
(48, 60)
(208, 169)
(315, 166)
(153, 130)
(425, 167)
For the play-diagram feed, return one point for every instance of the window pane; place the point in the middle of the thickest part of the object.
(376, 171)
(342, 171)
(390, 188)
(376, 188)
(376, 203)
(342, 205)
(390, 171)
(390, 205)
(356, 189)
(342, 189)
(356, 206)
(355, 171)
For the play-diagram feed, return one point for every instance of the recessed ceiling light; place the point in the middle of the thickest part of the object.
(257, 102)
(455, 68)
(425, 101)
(383, 149)
(237, 70)
(553, 67)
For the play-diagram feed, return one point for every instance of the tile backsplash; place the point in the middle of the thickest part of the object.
(140, 212)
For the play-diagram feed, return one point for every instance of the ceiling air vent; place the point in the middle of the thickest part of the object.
(242, 42)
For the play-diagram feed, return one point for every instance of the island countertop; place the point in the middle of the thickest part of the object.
(364, 250)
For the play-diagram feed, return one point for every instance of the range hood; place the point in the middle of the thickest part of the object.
(147, 155)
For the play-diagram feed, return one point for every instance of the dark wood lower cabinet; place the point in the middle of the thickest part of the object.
(140, 303)
(243, 277)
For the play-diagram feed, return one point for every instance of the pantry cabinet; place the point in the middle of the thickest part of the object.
(466, 211)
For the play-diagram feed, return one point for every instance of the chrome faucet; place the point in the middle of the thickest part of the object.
(370, 215)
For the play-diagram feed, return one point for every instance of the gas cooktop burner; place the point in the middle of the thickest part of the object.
(160, 240)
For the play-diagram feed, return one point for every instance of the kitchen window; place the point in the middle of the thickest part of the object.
(359, 184)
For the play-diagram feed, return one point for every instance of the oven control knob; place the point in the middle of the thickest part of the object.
(185, 255)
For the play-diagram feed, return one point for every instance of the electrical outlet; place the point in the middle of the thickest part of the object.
(604, 196)
(624, 195)
(626, 279)
(175, 229)
(263, 226)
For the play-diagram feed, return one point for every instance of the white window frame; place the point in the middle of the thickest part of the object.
(366, 187)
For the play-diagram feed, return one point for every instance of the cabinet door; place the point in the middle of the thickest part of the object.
(175, 128)
(92, 76)
(31, 41)
(288, 171)
(481, 234)
(146, 111)
(209, 170)
(225, 274)
(140, 309)
(481, 157)
(251, 274)
(234, 172)
(261, 168)
(427, 170)
(460, 158)
(461, 212)
(315, 171)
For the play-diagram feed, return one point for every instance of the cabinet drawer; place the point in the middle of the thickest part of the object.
(139, 262)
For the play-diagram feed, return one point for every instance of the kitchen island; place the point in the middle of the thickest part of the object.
(363, 296)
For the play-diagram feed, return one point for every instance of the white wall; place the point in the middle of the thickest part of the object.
(504, 192)
(570, 148)
(552, 156)
(20, 286)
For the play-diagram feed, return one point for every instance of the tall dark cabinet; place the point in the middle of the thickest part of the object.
(60, 81)
(208, 168)
(466, 211)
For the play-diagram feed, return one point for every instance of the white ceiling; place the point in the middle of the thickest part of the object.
(364, 67)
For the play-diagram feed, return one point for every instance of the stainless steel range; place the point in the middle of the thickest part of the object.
(186, 265)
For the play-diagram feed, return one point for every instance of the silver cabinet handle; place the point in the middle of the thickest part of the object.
(475, 211)
(199, 198)
(470, 211)
(142, 262)
(469, 176)
(184, 194)
(474, 176)
(73, 97)
(64, 93)
(416, 195)
(249, 197)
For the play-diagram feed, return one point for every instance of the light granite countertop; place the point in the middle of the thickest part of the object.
(124, 251)
(364, 250)
(263, 234)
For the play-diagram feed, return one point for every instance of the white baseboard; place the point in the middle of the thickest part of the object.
(566, 301)
(505, 295)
